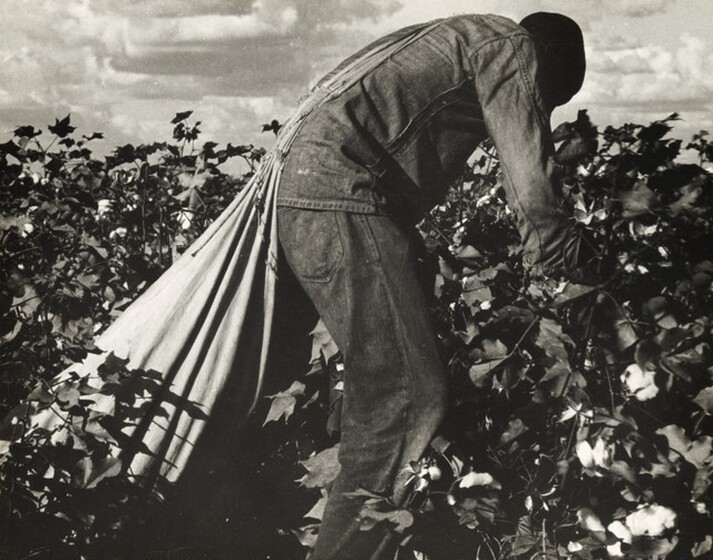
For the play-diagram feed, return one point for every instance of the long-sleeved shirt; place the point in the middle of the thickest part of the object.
(404, 132)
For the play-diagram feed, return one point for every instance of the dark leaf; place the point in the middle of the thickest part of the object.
(181, 117)
(27, 131)
(273, 126)
(10, 148)
(62, 127)
(653, 132)
(209, 149)
(125, 154)
(238, 150)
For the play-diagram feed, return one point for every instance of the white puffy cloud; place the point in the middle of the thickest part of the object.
(654, 74)
(124, 67)
(200, 32)
(629, 80)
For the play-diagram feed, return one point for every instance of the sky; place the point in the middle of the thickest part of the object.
(125, 67)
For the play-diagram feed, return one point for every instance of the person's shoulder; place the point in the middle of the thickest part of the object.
(479, 29)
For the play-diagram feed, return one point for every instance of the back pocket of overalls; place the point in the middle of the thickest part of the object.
(311, 242)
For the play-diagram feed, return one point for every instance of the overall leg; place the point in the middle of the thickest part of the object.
(359, 272)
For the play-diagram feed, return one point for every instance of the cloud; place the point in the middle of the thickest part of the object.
(652, 75)
(629, 81)
(605, 9)
(636, 8)
(172, 8)
(113, 63)
(199, 32)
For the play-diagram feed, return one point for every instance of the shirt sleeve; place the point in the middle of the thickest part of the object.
(505, 73)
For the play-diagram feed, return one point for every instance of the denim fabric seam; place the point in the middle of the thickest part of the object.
(326, 279)
(333, 260)
(440, 44)
(404, 362)
(503, 164)
(475, 51)
(354, 206)
(541, 122)
(529, 86)
(421, 120)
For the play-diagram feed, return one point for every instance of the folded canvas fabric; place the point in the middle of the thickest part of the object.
(203, 325)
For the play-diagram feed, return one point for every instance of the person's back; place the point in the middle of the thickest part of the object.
(405, 130)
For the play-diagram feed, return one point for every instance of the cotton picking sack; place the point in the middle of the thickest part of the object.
(204, 324)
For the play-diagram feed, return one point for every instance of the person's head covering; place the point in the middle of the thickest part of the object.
(560, 53)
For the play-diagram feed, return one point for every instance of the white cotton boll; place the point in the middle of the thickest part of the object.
(583, 171)
(640, 383)
(118, 232)
(576, 410)
(614, 550)
(651, 520)
(28, 228)
(647, 393)
(585, 454)
(476, 479)
(569, 413)
(104, 207)
(434, 472)
(574, 546)
(483, 200)
(602, 453)
(589, 520)
(598, 456)
(620, 531)
(185, 219)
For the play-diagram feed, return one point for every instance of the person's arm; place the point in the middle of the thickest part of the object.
(518, 123)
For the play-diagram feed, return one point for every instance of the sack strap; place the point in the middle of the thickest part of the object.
(333, 85)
